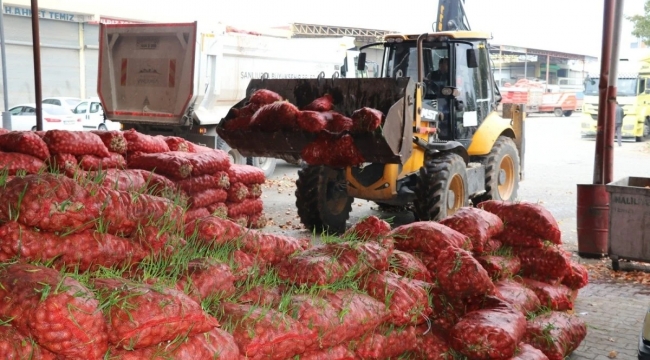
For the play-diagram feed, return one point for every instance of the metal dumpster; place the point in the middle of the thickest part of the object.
(629, 220)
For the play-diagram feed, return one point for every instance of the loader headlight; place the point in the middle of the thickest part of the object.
(203, 130)
(449, 91)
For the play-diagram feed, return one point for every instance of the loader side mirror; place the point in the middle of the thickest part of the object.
(361, 63)
(472, 61)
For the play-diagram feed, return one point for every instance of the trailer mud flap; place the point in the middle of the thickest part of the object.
(391, 143)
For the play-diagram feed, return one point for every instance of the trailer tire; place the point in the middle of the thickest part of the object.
(322, 200)
(234, 155)
(567, 113)
(557, 112)
(441, 187)
(267, 164)
(501, 171)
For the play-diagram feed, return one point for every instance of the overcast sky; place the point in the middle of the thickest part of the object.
(562, 25)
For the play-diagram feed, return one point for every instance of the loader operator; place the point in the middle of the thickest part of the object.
(435, 81)
(441, 76)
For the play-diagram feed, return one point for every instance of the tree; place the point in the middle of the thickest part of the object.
(642, 23)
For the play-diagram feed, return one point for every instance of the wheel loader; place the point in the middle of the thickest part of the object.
(442, 143)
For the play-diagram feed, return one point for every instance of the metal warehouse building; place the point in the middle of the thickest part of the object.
(69, 53)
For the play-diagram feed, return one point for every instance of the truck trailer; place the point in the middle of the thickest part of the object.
(171, 79)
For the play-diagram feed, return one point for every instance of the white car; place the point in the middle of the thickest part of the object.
(67, 102)
(92, 116)
(23, 118)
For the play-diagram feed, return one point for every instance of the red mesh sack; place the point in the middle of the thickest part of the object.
(409, 266)
(154, 240)
(492, 246)
(36, 298)
(516, 236)
(555, 297)
(272, 248)
(312, 268)
(500, 267)
(93, 163)
(407, 299)
(460, 275)
(214, 344)
(176, 143)
(15, 163)
(123, 212)
(430, 344)
(136, 180)
(478, 225)
(245, 265)
(370, 228)
(315, 152)
(66, 163)
(85, 250)
(257, 221)
(535, 219)
(339, 123)
(113, 140)
(275, 116)
(15, 346)
(168, 164)
(556, 334)
(549, 263)
(214, 230)
(246, 174)
(428, 237)
(264, 97)
(40, 134)
(339, 352)
(247, 207)
(75, 143)
(210, 162)
(311, 121)
(385, 342)
(238, 123)
(237, 192)
(519, 296)
(138, 142)
(194, 214)
(207, 278)
(49, 202)
(366, 119)
(196, 184)
(4, 131)
(447, 310)
(527, 352)
(489, 334)
(24, 142)
(218, 209)
(321, 104)
(263, 333)
(333, 318)
(208, 197)
(142, 316)
(339, 153)
(254, 191)
(261, 295)
(577, 277)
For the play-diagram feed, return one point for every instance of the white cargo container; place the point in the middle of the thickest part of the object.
(169, 79)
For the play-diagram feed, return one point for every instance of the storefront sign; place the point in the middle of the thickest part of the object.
(47, 14)
(107, 20)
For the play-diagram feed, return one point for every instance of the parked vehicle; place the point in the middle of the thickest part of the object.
(633, 93)
(92, 116)
(171, 79)
(540, 97)
(68, 102)
(23, 118)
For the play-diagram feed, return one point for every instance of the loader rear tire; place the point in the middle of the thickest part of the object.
(322, 199)
(441, 187)
(501, 171)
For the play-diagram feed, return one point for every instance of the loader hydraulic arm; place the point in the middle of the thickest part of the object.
(451, 16)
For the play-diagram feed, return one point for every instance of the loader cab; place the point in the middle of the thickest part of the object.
(456, 61)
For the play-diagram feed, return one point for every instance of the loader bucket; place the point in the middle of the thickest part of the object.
(391, 143)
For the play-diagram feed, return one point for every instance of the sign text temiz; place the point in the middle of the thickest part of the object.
(45, 14)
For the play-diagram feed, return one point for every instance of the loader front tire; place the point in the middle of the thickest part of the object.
(441, 187)
(322, 199)
(501, 171)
